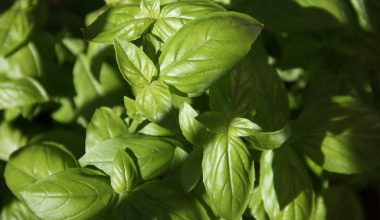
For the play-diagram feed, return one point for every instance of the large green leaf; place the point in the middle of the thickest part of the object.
(71, 194)
(285, 184)
(338, 203)
(270, 95)
(256, 205)
(234, 94)
(35, 162)
(15, 29)
(137, 68)
(153, 154)
(199, 54)
(154, 200)
(299, 15)
(118, 21)
(174, 15)
(228, 175)
(15, 210)
(11, 139)
(105, 124)
(155, 101)
(340, 134)
(20, 92)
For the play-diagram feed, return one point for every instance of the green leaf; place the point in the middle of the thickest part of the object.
(154, 200)
(242, 127)
(270, 94)
(338, 202)
(11, 139)
(256, 205)
(153, 154)
(134, 64)
(191, 170)
(261, 140)
(15, 209)
(20, 92)
(193, 131)
(118, 21)
(176, 14)
(199, 54)
(285, 184)
(105, 124)
(234, 93)
(71, 194)
(342, 135)
(35, 162)
(214, 121)
(124, 176)
(150, 8)
(228, 175)
(16, 28)
(155, 101)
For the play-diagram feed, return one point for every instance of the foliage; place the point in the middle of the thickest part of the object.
(129, 109)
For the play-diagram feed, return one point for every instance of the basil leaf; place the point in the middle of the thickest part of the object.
(242, 127)
(20, 92)
(256, 205)
(15, 209)
(193, 131)
(228, 175)
(124, 176)
(154, 200)
(199, 54)
(214, 121)
(176, 14)
(48, 158)
(270, 94)
(150, 8)
(260, 140)
(11, 139)
(153, 154)
(191, 170)
(233, 94)
(349, 205)
(342, 135)
(105, 124)
(286, 187)
(118, 21)
(17, 29)
(71, 194)
(155, 101)
(134, 64)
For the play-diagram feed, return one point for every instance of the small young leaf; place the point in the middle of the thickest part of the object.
(48, 158)
(11, 139)
(20, 92)
(155, 101)
(134, 64)
(124, 176)
(228, 175)
(261, 140)
(193, 131)
(199, 54)
(71, 194)
(242, 127)
(105, 124)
